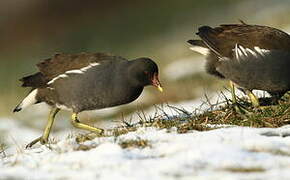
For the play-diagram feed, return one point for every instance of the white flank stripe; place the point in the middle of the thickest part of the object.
(29, 100)
(63, 76)
(89, 66)
(252, 52)
(201, 50)
(242, 53)
(57, 77)
(236, 51)
(94, 64)
(262, 52)
(243, 50)
(73, 71)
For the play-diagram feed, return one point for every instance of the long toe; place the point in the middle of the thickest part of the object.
(33, 142)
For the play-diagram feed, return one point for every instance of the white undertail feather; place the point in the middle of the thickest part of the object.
(73, 71)
(201, 50)
(27, 101)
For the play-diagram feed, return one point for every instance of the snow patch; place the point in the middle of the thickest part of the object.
(199, 155)
(184, 67)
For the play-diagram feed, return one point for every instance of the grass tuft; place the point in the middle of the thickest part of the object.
(2, 150)
(139, 143)
(218, 115)
(245, 169)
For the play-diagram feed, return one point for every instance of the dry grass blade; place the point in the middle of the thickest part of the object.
(219, 113)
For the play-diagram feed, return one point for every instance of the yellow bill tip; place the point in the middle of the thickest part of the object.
(160, 88)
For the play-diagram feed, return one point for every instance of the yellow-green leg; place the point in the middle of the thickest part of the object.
(44, 138)
(76, 123)
(237, 106)
(254, 100)
(233, 93)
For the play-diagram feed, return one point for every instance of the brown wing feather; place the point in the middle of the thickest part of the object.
(60, 63)
(223, 39)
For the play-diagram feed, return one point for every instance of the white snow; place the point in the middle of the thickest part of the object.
(212, 154)
(182, 68)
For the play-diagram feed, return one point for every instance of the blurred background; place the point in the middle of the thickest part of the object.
(34, 30)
